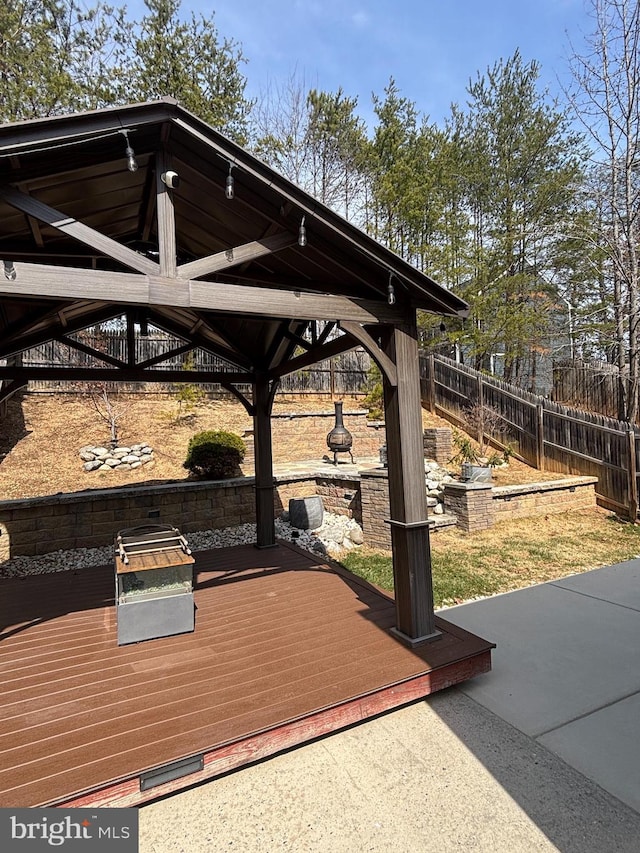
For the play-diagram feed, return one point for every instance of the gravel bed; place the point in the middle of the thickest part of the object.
(333, 537)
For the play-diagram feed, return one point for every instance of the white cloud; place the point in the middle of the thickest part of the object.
(360, 19)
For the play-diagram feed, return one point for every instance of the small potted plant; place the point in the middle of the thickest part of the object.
(471, 465)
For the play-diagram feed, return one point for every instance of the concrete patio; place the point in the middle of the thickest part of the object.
(540, 754)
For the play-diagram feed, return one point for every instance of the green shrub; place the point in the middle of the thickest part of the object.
(374, 401)
(466, 451)
(215, 454)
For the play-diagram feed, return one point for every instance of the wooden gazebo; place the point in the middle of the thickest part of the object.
(147, 213)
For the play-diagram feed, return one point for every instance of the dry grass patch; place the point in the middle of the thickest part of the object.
(42, 434)
(514, 554)
(41, 437)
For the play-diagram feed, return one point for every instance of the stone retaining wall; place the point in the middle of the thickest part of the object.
(90, 519)
(471, 503)
(438, 444)
(544, 498)
(298, 436)
(374, 486)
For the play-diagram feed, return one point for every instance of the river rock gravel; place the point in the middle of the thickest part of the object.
(336, 535)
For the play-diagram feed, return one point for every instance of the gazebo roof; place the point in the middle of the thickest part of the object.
(88, 240)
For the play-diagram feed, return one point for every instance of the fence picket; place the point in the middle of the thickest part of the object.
(342, 374)
(543, 433)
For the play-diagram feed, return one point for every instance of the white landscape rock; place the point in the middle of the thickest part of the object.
(98, 458)
(315, 541)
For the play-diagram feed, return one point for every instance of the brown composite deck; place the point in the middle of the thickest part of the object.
(285, 649)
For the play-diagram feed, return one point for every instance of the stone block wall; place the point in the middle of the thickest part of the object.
(91, 519)
(438, 444)
(299, 436)
(471, 503)
(544, 498)
(295, 486)
(374, 496)
(341, 495)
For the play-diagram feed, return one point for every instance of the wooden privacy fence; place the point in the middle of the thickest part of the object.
(542, 433)
(593, 386)
(342, 374)
(6, 391)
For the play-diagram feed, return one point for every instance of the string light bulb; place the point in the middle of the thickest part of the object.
(132, 163)
(391, 293)
(229, 187)
(302, 233)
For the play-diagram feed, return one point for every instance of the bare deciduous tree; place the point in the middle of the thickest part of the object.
(606, 98)
(108, 404)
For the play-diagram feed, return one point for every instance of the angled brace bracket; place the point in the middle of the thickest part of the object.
(381, 358)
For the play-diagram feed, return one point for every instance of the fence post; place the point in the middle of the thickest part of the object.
(432, 384)
(480, 411)
(540, 437)
(633, 474)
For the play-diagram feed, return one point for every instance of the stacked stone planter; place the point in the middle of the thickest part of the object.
(436, 478)
(97, 458)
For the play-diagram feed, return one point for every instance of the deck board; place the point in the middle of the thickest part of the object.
(280, 638)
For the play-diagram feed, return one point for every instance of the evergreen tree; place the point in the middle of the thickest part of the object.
(187, 60)
(337, 144)
(395, 161)
(57, 56)
(523, 167)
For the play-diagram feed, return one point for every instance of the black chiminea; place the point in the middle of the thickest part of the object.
(339, 439)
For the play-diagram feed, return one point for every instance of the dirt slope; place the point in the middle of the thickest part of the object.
(42, 434)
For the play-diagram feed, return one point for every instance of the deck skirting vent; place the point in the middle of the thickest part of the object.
(169, 772)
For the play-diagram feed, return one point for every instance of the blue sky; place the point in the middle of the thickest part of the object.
(431, 48)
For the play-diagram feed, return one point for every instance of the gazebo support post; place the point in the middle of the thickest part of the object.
(407, 493)
(265, 515)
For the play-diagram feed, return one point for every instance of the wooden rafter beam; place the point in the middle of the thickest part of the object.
(131, 340)
(34, 225)
(216, 324)
(29, 319)
(87, 350)
(123, 374)
(335, 347)
(8, 390)
(235, 256)
(281, 348)
(68, 225)
(172, 353)
(41, 280)
(20, 343)
(157, 318)
(231, 388)
(324, 334)
(299, 341)
(166, 217)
